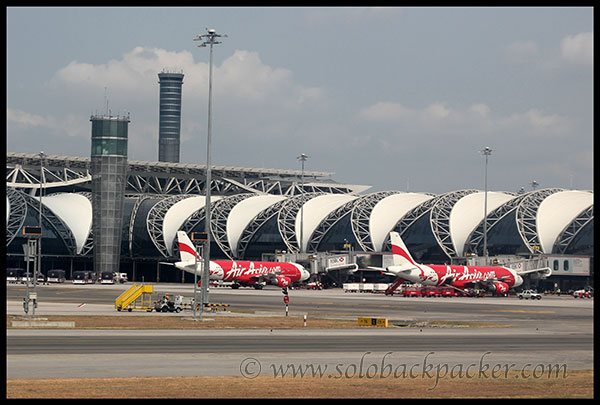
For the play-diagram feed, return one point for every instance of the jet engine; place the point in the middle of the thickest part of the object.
(500, 288)
(283, 281)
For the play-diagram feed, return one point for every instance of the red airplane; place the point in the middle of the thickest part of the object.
(241, 273)
(491, 278)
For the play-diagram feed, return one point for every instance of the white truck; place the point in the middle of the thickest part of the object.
(527, 294)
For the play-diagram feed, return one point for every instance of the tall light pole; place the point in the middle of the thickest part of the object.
(487, 152)
(534, 185)
(210, 38)
(38, 267)
(302, 158)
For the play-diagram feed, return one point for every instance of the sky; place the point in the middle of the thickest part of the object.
(394, 98)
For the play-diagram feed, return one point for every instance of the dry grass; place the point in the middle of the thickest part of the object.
(577, 384)
(179, 321)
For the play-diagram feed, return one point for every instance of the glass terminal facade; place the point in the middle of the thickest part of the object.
(109, 175)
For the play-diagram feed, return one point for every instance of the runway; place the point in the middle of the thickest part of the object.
(556, 330)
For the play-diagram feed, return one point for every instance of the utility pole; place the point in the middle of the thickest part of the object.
(210, 38)
(487, 152)
(302, 158)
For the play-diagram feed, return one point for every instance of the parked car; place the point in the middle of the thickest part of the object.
(583, 294)
(527, 294)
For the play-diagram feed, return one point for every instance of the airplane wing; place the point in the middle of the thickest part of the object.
(543, 272)
(386, 272)
(262, 277)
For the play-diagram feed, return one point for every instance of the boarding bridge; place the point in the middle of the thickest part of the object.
(316, 263)
(519, 263)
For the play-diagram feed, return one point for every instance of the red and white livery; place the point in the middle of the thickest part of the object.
(495, 279)
(241, 273)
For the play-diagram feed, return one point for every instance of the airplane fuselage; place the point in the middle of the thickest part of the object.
(461, 276)
(246, 271)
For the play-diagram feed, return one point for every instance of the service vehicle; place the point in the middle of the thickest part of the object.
(14, 275)
(26, 278)
(430, 292)
(583, 294)
(449, 292)
(350, 287)
(527, 294)
(474, 292)
(411, 291)
(107, 277)
(83, 277)
(173, 303)
(56, 276)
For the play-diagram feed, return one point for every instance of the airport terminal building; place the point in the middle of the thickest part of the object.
(257, 212)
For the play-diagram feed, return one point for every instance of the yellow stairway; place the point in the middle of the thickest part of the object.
(129, 299)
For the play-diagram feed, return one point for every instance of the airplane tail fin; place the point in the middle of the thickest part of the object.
(401, 256)
(187, 252)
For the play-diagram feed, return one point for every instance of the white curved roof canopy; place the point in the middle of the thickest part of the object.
(75, 210)
(556, 212)
(315, 211)
(177, 215)
(244, 212)
(467, 214)
(387, 212)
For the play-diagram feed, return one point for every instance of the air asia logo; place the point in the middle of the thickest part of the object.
(238, 270)
(424, 277)
(501, 288)
(468, 275)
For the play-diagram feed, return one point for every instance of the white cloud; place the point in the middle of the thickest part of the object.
(386, 112)
(241, 77)
(579, 48)
(28, 120)
(480, 109)
(438, 120)
(133, 76)
(245, 78)
(535, 122)
(437, 115)
(70, 125)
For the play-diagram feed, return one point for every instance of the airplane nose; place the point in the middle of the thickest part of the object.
(518, 281)
(305, 275)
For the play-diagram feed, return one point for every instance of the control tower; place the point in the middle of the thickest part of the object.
(169, 120)
(109, 177)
